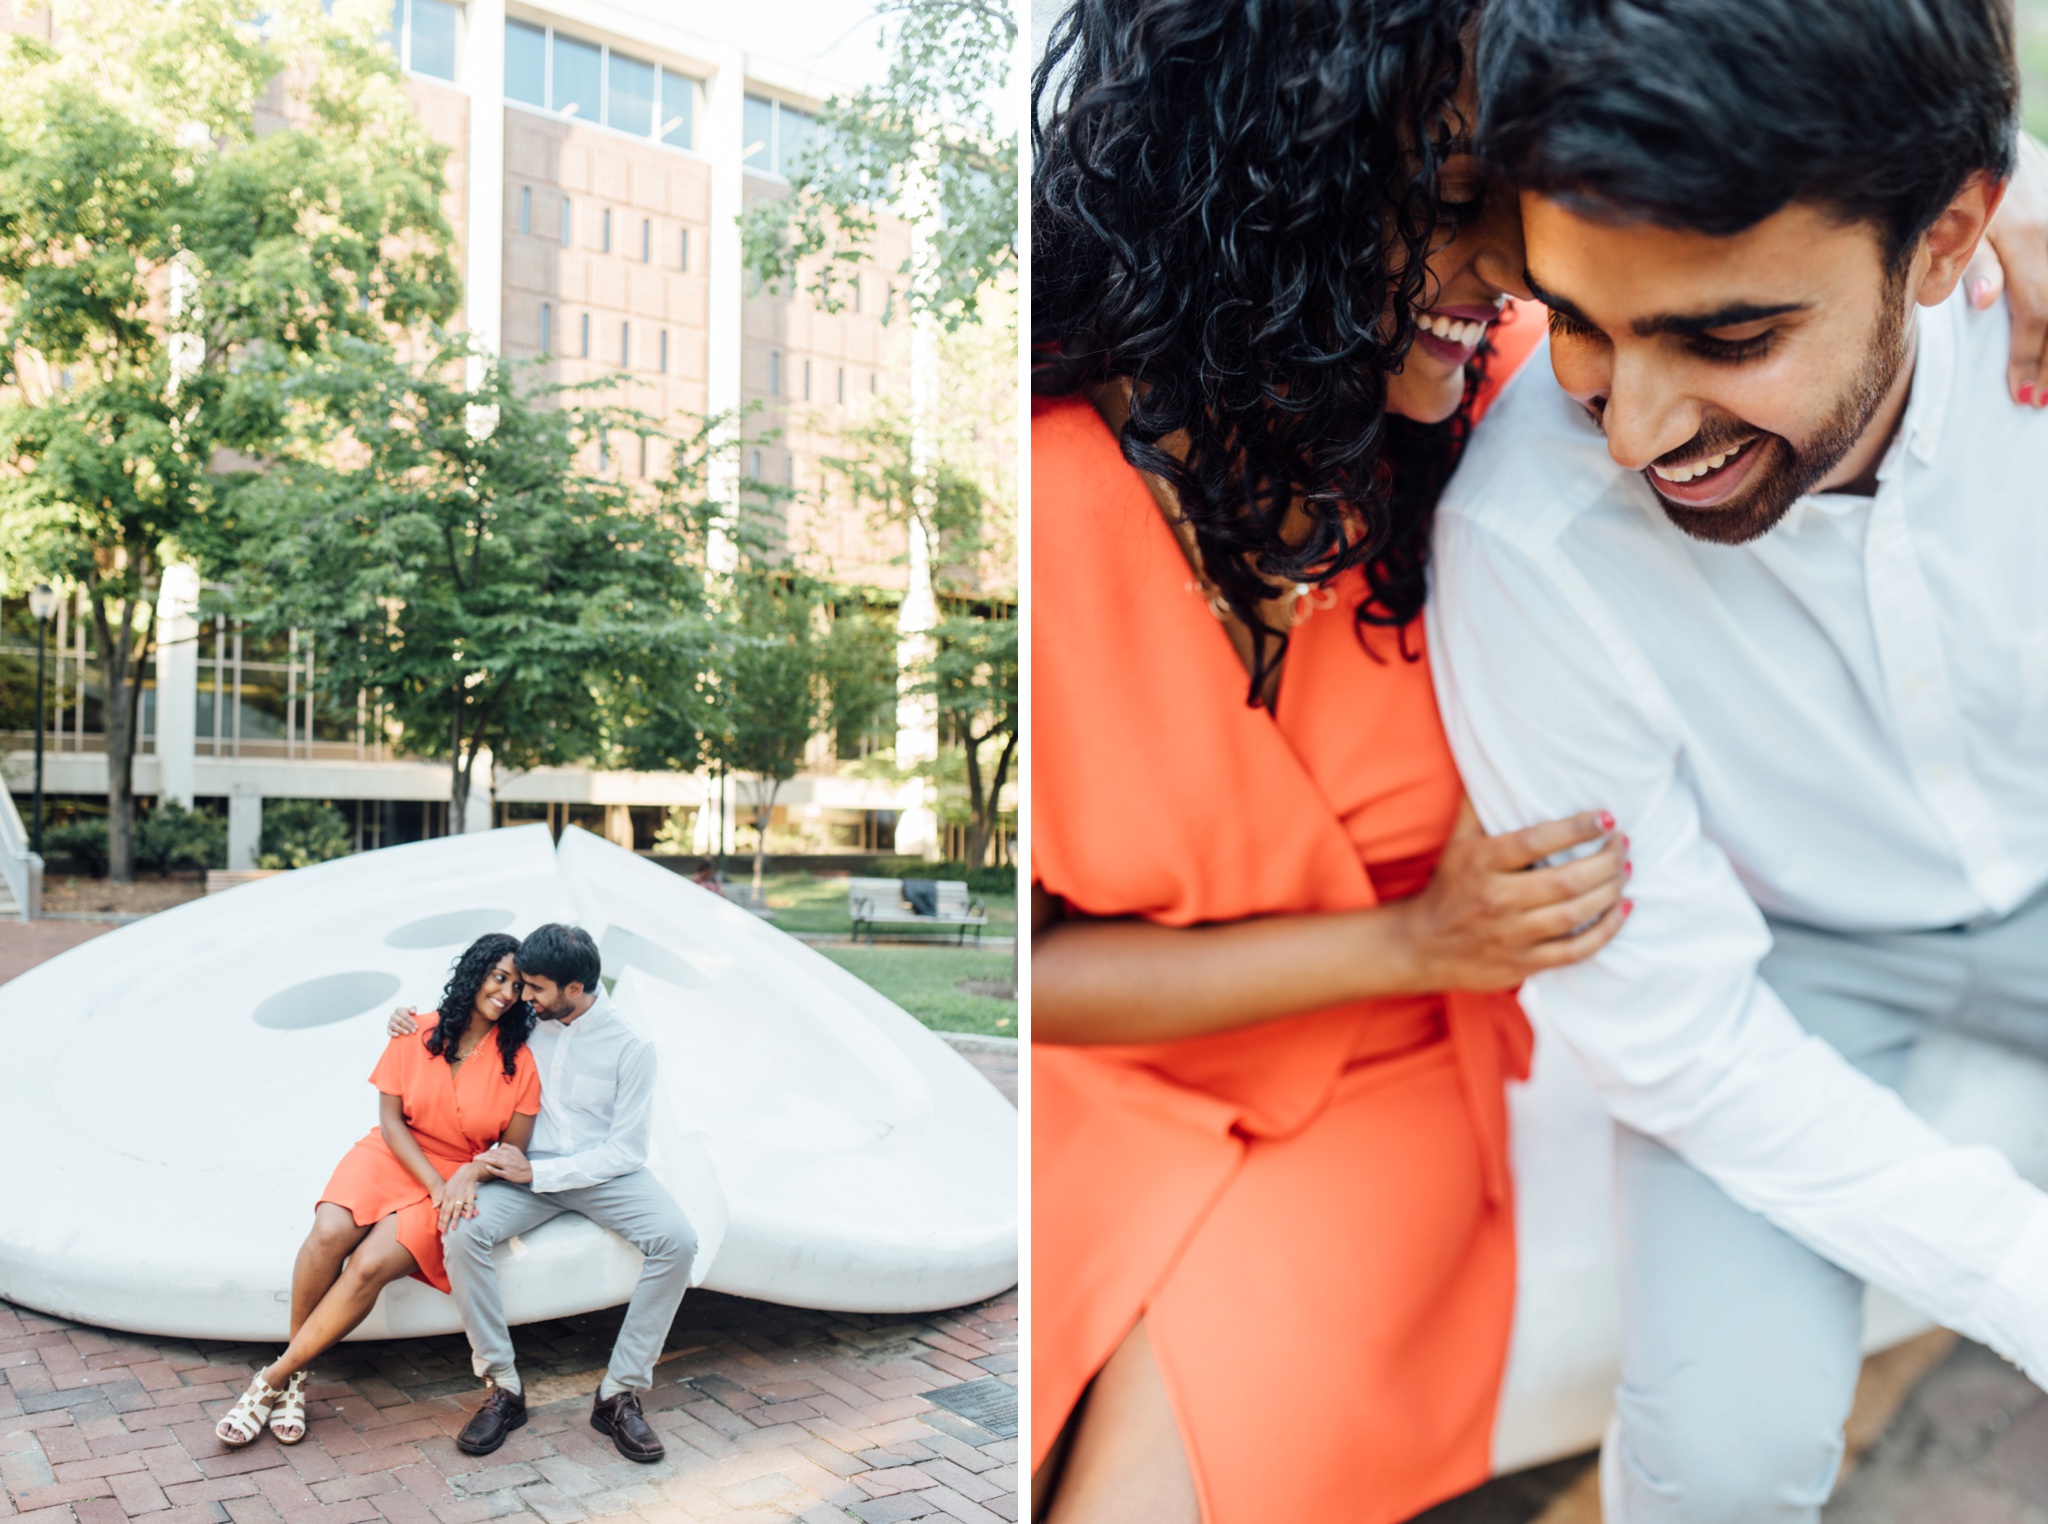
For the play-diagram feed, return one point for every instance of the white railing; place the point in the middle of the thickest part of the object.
(21, 868)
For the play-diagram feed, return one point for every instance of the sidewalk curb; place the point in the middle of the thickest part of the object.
(974, 1042)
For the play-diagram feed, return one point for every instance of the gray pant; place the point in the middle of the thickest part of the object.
(1741, 1346)
(635, 1206)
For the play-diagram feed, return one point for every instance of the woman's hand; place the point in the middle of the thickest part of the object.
(2013, 259)
(457, 1198)
(1489, 919)
(403, 1023)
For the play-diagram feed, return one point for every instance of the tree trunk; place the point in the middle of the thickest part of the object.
(984, 807)
(121, 653)
(763, 813)
(458, 775)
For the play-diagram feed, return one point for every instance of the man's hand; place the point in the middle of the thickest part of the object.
(403, 1023)
(507, 1163)
(2013, 259)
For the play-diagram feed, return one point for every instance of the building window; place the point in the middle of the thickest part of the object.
(591, 82)
(754, 465)
(628, 94)
(874, 383)
(678, 109)
(547, 327)
(856, 293)
(789, 471)
(683, 262)
(842, 383)
(807, 380)
(664, 351)
(646, 240)
(774, 135)
(568, 222)
(575, 71)
(586, 335)
(526, 63)
(423, 36)
(604, 452)
(643, 454)
(526, 209)
(607, 230)
(625, 345)
(774, 373)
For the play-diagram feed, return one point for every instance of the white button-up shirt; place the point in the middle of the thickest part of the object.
(1844, 723)
(596, 1098)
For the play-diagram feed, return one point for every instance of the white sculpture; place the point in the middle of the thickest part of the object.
(178, 1091)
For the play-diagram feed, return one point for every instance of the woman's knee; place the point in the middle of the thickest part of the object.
(334, 1230)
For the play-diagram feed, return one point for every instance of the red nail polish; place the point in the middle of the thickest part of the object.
(2027, 392)
(1606, 821)
(1628, 870)
(1627, 908)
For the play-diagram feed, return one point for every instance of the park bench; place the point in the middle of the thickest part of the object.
(880, 902)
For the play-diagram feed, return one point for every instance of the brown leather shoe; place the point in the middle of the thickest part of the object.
(492, 1423)
(620, 1417)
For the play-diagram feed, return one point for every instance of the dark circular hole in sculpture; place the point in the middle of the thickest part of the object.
(447, 930)
(326, 1000)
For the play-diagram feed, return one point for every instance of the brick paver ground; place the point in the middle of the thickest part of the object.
(769, 1413)
(23, 946)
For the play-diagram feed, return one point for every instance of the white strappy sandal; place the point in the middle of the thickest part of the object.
(288, 1422)
(245, 1420)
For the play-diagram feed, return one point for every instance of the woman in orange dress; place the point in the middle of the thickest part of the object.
(1273, 1250)
(446, 1093)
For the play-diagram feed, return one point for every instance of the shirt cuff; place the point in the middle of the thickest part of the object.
(2012, 1313)
(546, 1175)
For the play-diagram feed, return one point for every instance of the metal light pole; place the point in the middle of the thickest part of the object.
(42, 602)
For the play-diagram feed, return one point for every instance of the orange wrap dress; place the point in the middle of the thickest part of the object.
(454, 1112)
(1313, 1214)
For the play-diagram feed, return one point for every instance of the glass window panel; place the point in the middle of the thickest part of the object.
(332, 721)
(526, 63)
(629, 96)
(18, 692)
(577, 67)
(678, 109)
(262, 705)
(757, 132)
(793, 136)
(433, 38)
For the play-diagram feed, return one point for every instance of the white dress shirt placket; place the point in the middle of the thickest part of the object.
(1909, 644)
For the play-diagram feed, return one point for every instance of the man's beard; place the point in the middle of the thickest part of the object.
(1789, 472)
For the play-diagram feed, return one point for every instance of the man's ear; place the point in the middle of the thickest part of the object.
(1954, 237)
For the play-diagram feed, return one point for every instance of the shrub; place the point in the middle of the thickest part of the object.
(81, 842)
(298, 833)
(173, 839)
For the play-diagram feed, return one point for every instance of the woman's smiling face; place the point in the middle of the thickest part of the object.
(1472, 272)
(500, 990)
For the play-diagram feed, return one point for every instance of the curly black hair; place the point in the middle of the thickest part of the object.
(1232, 206)
(458, 1001)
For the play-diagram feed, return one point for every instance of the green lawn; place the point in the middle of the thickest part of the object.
(925, 982)
(801, 902)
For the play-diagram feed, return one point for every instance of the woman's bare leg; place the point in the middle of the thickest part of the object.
(378, 1261)
(1126, 1463)
(334, 1236)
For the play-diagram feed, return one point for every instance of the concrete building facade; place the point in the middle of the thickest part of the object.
(598, 164)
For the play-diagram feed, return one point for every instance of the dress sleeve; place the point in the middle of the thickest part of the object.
(526, 1085)
(394, 1066)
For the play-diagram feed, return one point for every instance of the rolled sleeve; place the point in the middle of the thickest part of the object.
(1550, 710)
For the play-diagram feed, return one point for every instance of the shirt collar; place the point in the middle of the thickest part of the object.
(600, 1009)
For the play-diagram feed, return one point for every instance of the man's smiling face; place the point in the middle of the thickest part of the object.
(1736, 373)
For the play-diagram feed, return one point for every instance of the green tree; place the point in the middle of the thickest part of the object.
(448, 553)
(973, 675)
(929, 129)
(297, 833)
(162, 261)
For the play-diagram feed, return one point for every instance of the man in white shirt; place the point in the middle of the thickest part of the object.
(588, 1154)
(1763, 569)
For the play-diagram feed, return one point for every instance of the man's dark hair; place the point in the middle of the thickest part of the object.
(1711, 115)
(564, 954)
